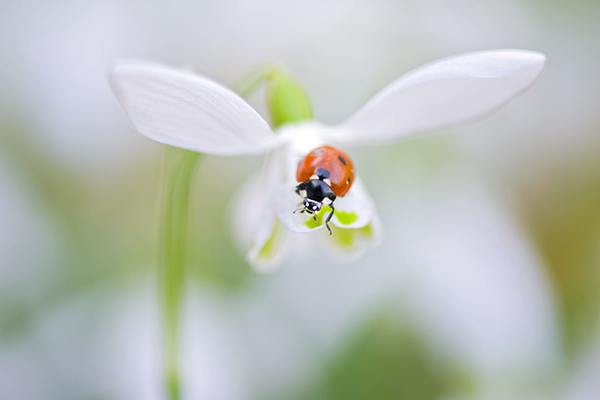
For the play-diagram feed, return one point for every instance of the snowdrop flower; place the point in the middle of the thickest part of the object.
(182, 109)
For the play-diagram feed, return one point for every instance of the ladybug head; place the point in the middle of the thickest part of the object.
(315, 194)
(312, 206)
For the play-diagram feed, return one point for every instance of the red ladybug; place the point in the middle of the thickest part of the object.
(324, 174)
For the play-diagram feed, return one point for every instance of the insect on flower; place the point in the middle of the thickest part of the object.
(304, 161)
(325, 173)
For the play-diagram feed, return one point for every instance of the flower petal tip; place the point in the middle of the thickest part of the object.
(445, 93)
(347, 245)
(182, 109)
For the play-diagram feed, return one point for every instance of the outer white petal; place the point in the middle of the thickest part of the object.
(255, 224)
(271, 246)
(347, 245)
(444, 93)
(182, 109)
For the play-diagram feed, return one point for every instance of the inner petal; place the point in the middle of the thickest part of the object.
(354, 210)
(347, 245)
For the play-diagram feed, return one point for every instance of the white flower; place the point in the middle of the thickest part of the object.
(182, 109)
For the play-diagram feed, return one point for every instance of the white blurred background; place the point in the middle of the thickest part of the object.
(486, 285)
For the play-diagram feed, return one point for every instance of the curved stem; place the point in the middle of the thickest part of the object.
(179, 170)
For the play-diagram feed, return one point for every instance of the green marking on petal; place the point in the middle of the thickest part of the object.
(268, 250)
(367, 231)
(346, 218)
(347, 238)
(344, 237)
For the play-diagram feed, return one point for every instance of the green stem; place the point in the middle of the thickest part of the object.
(179, 169)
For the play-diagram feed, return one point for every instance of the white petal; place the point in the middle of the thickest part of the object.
(271, 246)
(355, 209)
(254, 223)
(346, 245)
(444, 93)
(247, 211)
(182, 109)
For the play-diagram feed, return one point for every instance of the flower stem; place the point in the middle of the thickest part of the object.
(179, 170)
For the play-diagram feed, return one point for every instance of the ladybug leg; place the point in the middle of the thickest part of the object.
(329, 218)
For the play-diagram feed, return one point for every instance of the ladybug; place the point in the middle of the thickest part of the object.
(324, 174)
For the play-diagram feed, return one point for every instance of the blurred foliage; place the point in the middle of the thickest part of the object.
(108, 226)
(212, 256)
(582, 7)
(100, 225)
(564, 209)
(388, 360)
(90, 215)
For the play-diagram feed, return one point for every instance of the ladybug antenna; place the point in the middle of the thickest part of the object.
(298, 209)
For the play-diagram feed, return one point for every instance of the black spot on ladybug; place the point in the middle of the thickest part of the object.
(342, 160)
(349, 180)
(322, 173)
(318, 151)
